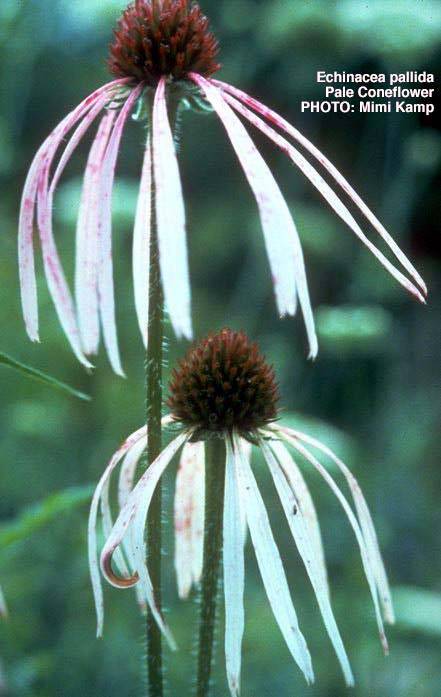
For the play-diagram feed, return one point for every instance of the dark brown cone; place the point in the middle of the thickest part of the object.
(224, 383)
(163, 37)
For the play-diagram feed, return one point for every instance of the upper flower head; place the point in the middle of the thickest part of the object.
(224, 383)
(156, 38)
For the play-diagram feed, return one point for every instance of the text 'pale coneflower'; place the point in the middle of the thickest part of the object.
(224, 391)
(163, 58)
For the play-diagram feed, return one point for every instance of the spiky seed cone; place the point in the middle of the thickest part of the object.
(224, 383)
(163, 37)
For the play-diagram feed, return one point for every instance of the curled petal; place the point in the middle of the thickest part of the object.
(270, 564)
(281, 123)
(170, 216)
(281, 236)
(137, 436)
(134, 513)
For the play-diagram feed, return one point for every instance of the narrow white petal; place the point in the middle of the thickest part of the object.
(141, 243)
(298, 484)
(234, 573)
(323, 187)
(281, 123)
(25, 230)
(247, 450)
(92, 533)
(293, 508)
(270, 564)
(170, 217)
(366, 523)
(281, 236)
(86, 265)
(105, 271)
(189, 516)
(134, 513)
(366, 560)
(55, 277)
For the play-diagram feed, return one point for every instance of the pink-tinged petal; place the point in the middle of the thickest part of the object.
(270, 563)
(366, 524)
(3, 606)
(323, 187)
(234, 573)
(86, 265)
(281, 236)
(284, 434)
(189, 516)
(170, 217)
(92, 525)
(37, 174)
(133, 515)
(141, 243)
(281, 123)
(293, 507)
(105, 272)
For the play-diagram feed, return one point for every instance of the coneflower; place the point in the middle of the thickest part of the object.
(163, 57)
(223, 400)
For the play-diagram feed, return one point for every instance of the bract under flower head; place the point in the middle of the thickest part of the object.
(224, 383)
(156, 38)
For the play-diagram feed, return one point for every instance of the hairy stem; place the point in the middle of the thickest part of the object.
(154, 364)
(154, 445)
(214, 507)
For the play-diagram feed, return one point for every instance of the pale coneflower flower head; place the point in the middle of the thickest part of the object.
(225, 389)
(164, 54)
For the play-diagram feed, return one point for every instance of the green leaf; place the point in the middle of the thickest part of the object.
(42, 513)
(418, 609)
(41, 377)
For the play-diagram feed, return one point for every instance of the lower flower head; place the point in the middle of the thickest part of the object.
(224, 383)
(156, 38)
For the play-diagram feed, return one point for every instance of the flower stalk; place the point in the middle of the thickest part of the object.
(214, 506)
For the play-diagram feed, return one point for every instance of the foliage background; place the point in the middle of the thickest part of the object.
(373, 394)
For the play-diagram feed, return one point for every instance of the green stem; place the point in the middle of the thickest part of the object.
(214, 507)
(154, 363)
(154, 444)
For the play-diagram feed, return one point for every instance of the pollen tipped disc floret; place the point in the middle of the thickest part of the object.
(156, 38)
(222, 384)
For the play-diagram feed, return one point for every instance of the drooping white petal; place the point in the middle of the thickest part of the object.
(281, 236)
(365, 558)
(366, 524)
(293, 508)
(270, 564)
(234, 573)
(189, 513)
(134, 513)
(105, 270)
(45, 154)
(170, 217)
(298, 484)
(131, 441)
(86, 265)
(141, 243)
(281, 123)
(323, 187)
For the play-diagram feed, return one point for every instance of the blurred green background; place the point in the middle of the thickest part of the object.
(373, 394)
